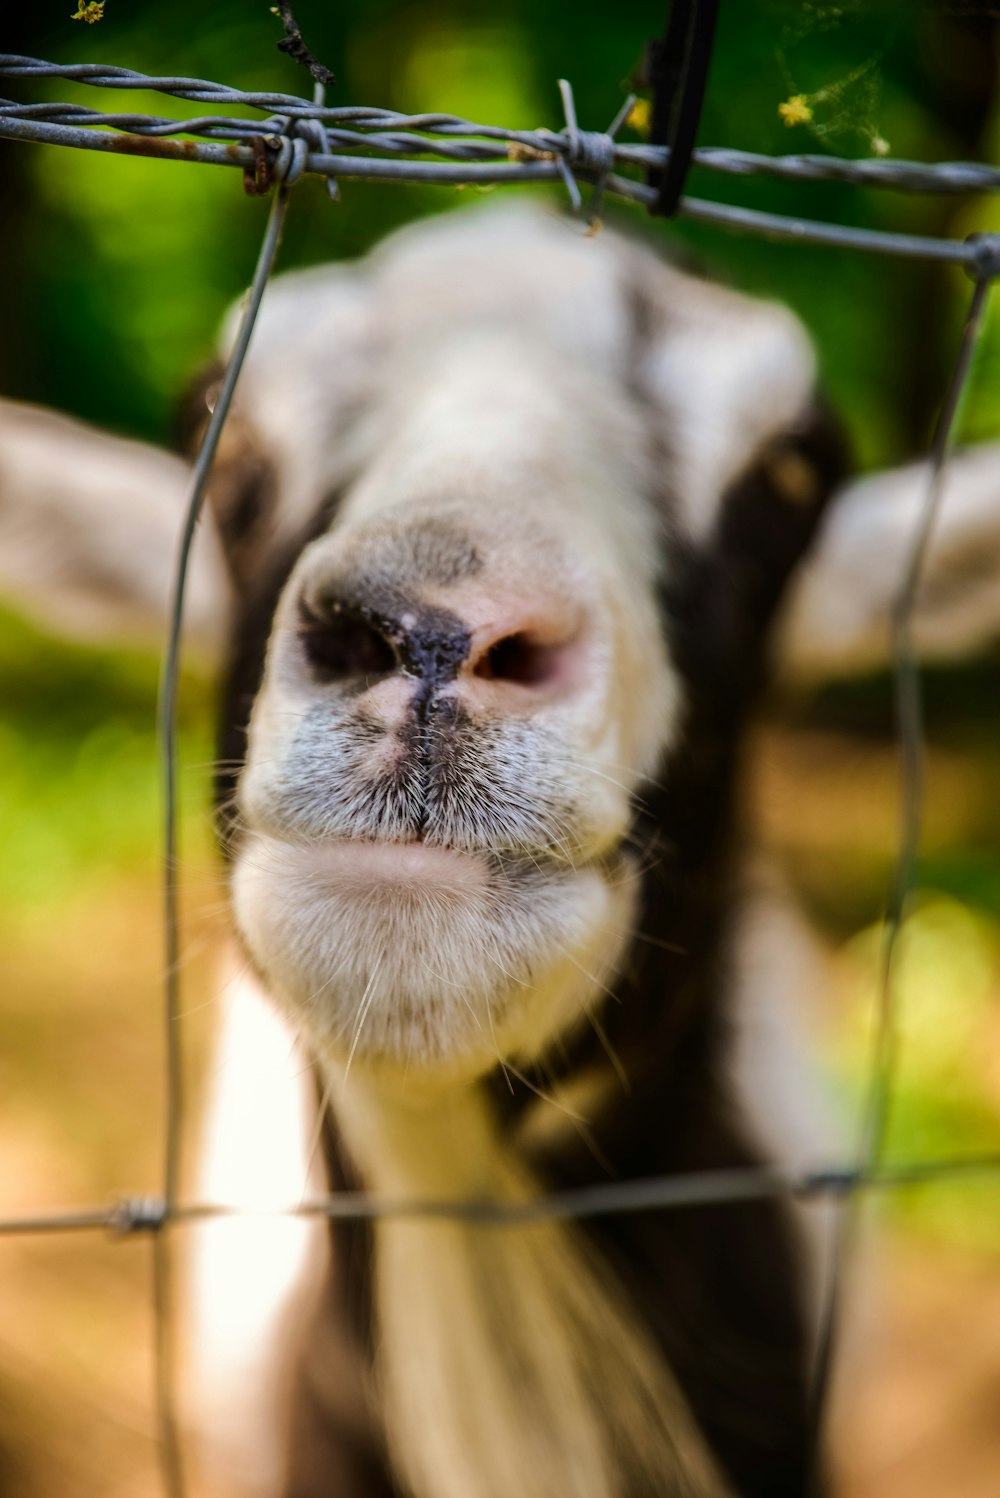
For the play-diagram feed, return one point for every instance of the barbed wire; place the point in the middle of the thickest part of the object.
(300, 138)
(358, 142)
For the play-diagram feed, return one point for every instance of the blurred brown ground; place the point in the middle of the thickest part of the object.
(80, 1119)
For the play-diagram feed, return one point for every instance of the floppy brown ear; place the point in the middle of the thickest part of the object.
(89, 525)
(837, 621)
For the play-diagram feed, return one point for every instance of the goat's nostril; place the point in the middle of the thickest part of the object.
(345, 646)
(520, 658)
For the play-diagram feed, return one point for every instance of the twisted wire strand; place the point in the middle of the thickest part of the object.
(968, 253)
(391, 130)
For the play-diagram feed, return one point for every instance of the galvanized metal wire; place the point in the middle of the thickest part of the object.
(131, 1216)
(300, 138)
(873, 1126)
(357, 142)
(170, 1440)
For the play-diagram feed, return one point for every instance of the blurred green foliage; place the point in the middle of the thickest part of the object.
(118, 271)
(78, 767)
(946, 1094)
(121, 269)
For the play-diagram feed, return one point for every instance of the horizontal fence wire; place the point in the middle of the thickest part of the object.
(300, 138)
(150, 1214)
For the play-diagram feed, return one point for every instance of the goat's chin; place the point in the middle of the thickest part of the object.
(427, 961)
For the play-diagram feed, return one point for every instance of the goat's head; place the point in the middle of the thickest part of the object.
(507, 518)
(511, 512)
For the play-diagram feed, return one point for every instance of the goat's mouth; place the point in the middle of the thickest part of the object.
(423, 953)
(365, 866)
(368, 862)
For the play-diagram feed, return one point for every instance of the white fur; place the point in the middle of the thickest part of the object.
(837, 618)
(493, 433)
(729, 376)
(246, 1274)
(726, 372)
(254, 1153)
(490, 1338)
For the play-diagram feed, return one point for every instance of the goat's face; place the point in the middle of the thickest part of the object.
(534, 445)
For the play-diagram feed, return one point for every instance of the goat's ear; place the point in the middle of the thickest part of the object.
(242, 490)
(837, 620)
(728, 380)
(723, 592)
(295, 433)
(89, 525)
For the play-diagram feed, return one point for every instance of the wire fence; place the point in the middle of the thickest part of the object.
(300, 138)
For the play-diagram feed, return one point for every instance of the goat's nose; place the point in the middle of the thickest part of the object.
(348, 641)
(497, 643)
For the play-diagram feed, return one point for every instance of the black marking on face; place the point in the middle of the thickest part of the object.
(243, 488)
(719, 599)
(433, 649)
(719, 1289)
(255, 601)
(362, 633)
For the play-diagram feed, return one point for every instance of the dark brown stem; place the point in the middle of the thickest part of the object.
(295, 46)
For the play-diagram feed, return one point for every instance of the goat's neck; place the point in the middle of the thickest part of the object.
(515, 1359)
(507, 1360)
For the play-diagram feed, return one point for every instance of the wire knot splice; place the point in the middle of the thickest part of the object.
(290, 140)
(986, 265)
(591, 151)
(138, 1214)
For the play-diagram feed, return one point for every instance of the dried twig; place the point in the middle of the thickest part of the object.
(295, 46)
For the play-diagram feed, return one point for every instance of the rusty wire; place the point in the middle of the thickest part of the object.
(298, 140)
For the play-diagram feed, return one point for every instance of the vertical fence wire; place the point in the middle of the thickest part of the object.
(164, 1327)
(908, 705)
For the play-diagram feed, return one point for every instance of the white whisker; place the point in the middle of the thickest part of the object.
(363, 1009)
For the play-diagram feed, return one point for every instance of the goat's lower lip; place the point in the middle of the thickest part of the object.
(360, 863)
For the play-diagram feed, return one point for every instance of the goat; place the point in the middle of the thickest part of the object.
(515, 526)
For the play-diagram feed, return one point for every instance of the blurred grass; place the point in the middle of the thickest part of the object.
(78, 765)
(827, 797)
(946, 1093)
